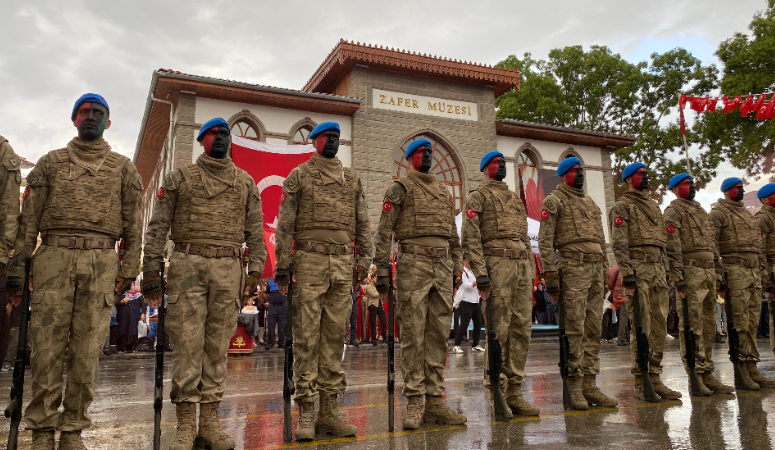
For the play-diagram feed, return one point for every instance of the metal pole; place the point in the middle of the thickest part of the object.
(688, 161)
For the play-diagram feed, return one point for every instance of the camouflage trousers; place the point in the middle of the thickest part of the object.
(745, 292)
(424, 308)
(202, 305)
(512, 297)
(71, 307)
(701, 302)
(583, 297)
(322, 304)
(654, 303)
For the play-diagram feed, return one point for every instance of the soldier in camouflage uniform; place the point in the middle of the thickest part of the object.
(420, 210)
(693, 261)
(211, 207)
(639, 238)
(766, 216)
(495, 238)
(10, 180)
(322, 209)
(572, 224)
(738, 238)
(82, 199)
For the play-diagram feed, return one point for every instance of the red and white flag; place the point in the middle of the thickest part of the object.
(269, 165)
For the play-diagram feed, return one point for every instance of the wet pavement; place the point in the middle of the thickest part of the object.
(252, 408)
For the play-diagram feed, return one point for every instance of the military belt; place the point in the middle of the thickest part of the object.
(740, 262)
(326, 249)
(583, 257)
(641, 256)
(208, 251)
(699, 263)
(433, 252)
(505, 253)
(78, 242)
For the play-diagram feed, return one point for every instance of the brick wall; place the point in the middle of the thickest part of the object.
(378, 133)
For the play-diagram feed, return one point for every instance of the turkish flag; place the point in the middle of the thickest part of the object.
(269, 165)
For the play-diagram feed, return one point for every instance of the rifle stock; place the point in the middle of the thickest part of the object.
(14, 409)
(158, 391)
(644, 357)
(565, 364)
(391, 379)
(288, 386)
(690, 349)
(495, 363)
(733, 338)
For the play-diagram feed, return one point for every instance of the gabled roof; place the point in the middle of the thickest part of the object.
(565, 135)
(347, 54)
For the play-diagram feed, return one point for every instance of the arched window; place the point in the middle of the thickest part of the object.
(445, 167)
(302, 135)
(245, 129)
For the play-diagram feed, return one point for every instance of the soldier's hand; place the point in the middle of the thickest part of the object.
(252, 282)
(14, 286)
(122, 285)
(151, 288)
(630, 283)
(721, 288)
(681, 288)
(8, 309)
(457, 278)
(553, 285)
(283, 278)
(484, 286)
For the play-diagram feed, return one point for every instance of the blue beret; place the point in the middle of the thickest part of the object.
(488, 157)
(415, 145)
(566, 165)
(272, 286)
(89, 98)
(210, 124)
(729, 183)
(766, 190)
(631, 169)
(323, 127)
(677, 179)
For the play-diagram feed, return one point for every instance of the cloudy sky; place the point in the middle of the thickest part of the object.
(51, 52)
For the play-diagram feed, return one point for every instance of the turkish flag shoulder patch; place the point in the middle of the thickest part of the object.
(470, 212)
(544, 215)
(618, 220)
(26, 192)
(387, 206)
(160, 193)
(282, 197)
(670, 229)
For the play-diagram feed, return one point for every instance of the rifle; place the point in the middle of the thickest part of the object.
(158, 391)
(566, 366)
(690, 348)
(391, 378)
(495, 363)
(733, 338)
(643, 352)
(14, 409)
(288, 387)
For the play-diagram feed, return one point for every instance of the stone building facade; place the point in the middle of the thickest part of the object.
(383, 99)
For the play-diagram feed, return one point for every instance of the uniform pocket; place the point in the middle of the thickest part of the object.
(109, 298)
(172, 299)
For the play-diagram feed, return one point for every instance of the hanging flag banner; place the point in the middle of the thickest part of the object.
(269, 165)
(753, 104)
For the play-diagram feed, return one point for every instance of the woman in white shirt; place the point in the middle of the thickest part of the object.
(467, 302)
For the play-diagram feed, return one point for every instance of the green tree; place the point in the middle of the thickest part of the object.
(747, 143)
(598, 90)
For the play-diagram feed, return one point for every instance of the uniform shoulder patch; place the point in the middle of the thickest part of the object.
(172, 180)
(618, 220)
(470, 213)
(26, 192)
(13, 163)
(160, 192)
(291, 183)
(474, 201)
(670, 229)
(387, 206)
(395, 194)
(35, 179)
(545, 214)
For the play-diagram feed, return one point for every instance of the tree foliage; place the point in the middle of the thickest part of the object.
(747, 143)
(598, 90)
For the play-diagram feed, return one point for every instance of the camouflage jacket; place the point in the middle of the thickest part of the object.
(10, 180)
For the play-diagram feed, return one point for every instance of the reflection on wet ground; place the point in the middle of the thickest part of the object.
(251, 411)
